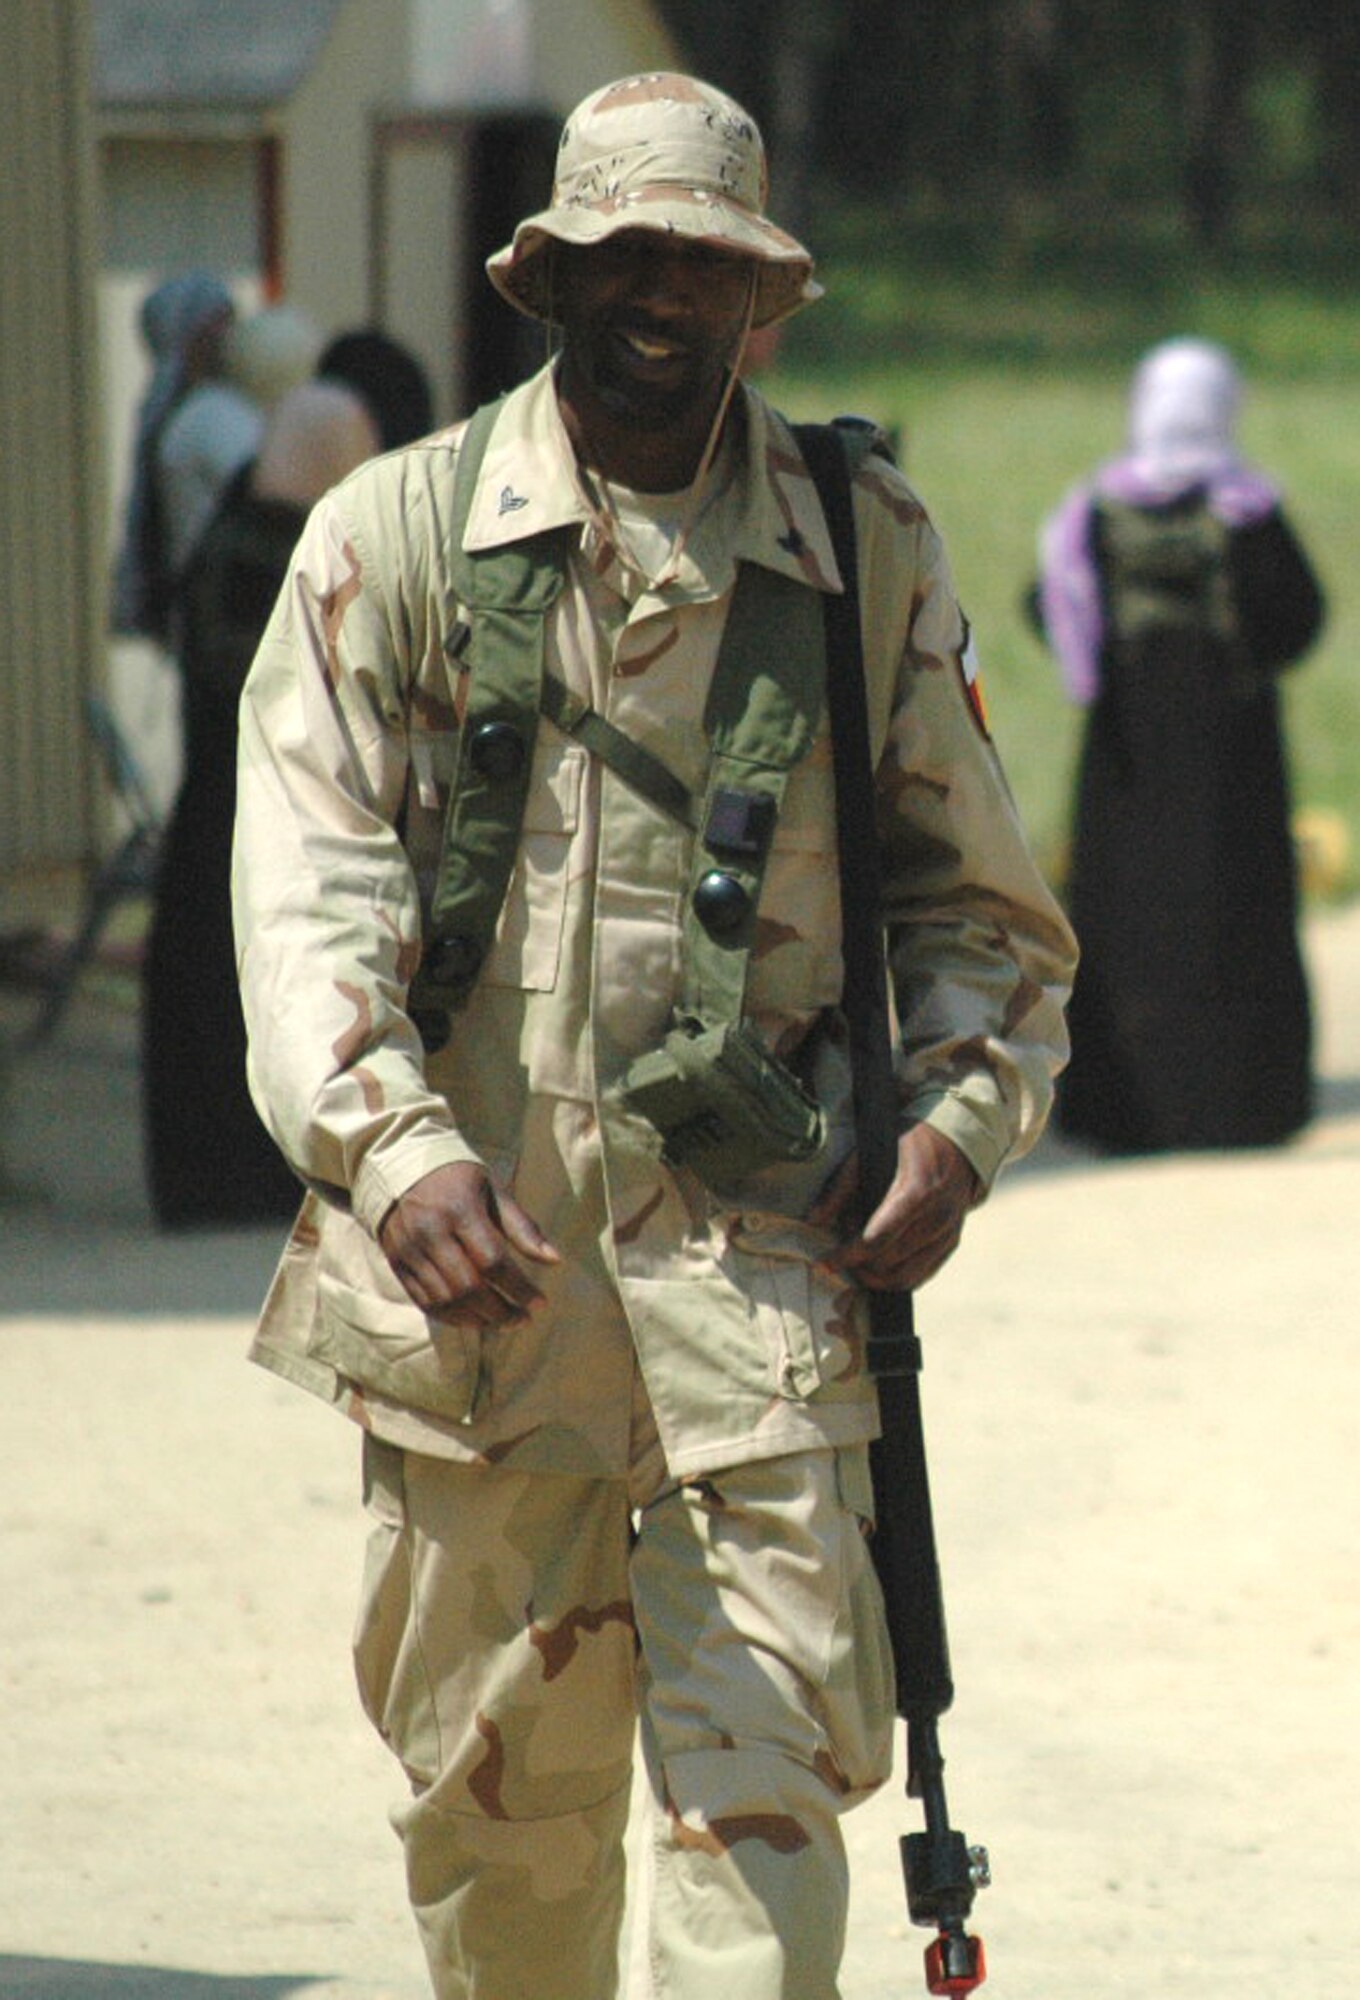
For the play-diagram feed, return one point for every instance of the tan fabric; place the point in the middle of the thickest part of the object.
(319, 432)
(662, 152)
(513, 1626)
(748, 1346)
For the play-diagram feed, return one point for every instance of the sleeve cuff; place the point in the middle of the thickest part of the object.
(981, 1144)
(380, 1183)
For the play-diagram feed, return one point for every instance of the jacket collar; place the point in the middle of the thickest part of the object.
(527, 485)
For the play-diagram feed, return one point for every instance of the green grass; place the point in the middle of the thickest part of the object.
(1006, 374)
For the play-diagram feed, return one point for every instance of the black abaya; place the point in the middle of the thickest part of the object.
(1190, 1014)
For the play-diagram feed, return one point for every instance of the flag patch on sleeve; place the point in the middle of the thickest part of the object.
(972, 680)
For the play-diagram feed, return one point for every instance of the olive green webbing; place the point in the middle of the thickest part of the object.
(1167, 568)
(763, 708)
(507, 593)
(762, 713)
(644, 772)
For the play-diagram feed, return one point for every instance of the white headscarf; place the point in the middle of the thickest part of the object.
(1183, 406)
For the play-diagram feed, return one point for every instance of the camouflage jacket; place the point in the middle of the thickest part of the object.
(747, 1345)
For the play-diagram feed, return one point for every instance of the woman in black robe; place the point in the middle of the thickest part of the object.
(209, 1159)
(1173, 591)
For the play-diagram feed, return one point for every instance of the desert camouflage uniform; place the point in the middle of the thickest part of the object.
(693, 1360)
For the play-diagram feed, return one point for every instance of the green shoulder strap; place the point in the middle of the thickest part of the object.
(767, 697)
(506, 593)
(763, 710)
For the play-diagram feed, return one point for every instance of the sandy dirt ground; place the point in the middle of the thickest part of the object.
(1143, 1399)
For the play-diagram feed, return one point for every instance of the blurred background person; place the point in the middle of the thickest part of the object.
(1172, 590)
(185, 323)
(209, 1159)
(389, 378)
(219, 424)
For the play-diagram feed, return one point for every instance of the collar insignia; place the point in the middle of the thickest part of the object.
(510, 501)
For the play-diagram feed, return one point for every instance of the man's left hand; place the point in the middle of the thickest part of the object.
(917, 1225)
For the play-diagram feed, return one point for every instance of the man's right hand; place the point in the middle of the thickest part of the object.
(450, 1240)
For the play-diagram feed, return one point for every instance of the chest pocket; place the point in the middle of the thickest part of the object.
(527, 950)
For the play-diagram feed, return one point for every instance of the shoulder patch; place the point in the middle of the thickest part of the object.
(972, 680)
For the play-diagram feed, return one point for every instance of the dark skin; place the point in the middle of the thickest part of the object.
(651, 325)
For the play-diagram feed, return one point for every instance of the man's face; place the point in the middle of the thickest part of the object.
(651, 323)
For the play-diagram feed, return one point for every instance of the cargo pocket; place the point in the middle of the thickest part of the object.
(528, 944)
(394, 1348)
(804, 1314)
(394, 1687)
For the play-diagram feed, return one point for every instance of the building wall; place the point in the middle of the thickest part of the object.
(180, 189)
(364, 69)
(500, 54)
(580, 44)
(169, 202)
(368, 227)
(51, 567)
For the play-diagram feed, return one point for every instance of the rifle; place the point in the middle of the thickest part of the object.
(941, 1872)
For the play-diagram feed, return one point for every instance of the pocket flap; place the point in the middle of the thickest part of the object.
(397, 1350)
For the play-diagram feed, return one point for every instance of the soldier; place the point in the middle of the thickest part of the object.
(535, 840)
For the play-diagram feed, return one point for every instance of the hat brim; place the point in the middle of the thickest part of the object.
(522, 271)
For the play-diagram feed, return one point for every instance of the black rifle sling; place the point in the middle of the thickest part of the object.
(904, 1536)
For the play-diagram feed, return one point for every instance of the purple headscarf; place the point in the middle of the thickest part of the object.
(1182, 412)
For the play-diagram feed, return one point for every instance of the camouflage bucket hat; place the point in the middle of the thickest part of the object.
(659, 152)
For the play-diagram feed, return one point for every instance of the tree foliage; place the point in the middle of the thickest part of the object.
(1227, 113)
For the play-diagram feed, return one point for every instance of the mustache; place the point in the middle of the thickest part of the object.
(649, 326)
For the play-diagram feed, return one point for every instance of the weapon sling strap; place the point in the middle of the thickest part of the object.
(940, 1871)
(904, 1535)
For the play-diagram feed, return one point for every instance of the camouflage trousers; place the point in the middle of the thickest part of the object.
(516, 1628)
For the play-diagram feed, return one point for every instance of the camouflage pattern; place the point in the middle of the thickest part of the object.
(749, 1347)
(696, 1372)
(745, 1627)
(666, 152)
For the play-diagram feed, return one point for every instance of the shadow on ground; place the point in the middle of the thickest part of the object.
(1339, 1097)
(76, 1233)
(82, 1979)
(1338, 1100)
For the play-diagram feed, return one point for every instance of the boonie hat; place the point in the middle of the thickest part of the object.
(662, 152)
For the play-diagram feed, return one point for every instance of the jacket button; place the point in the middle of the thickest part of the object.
(720, 903)
(497, 750)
